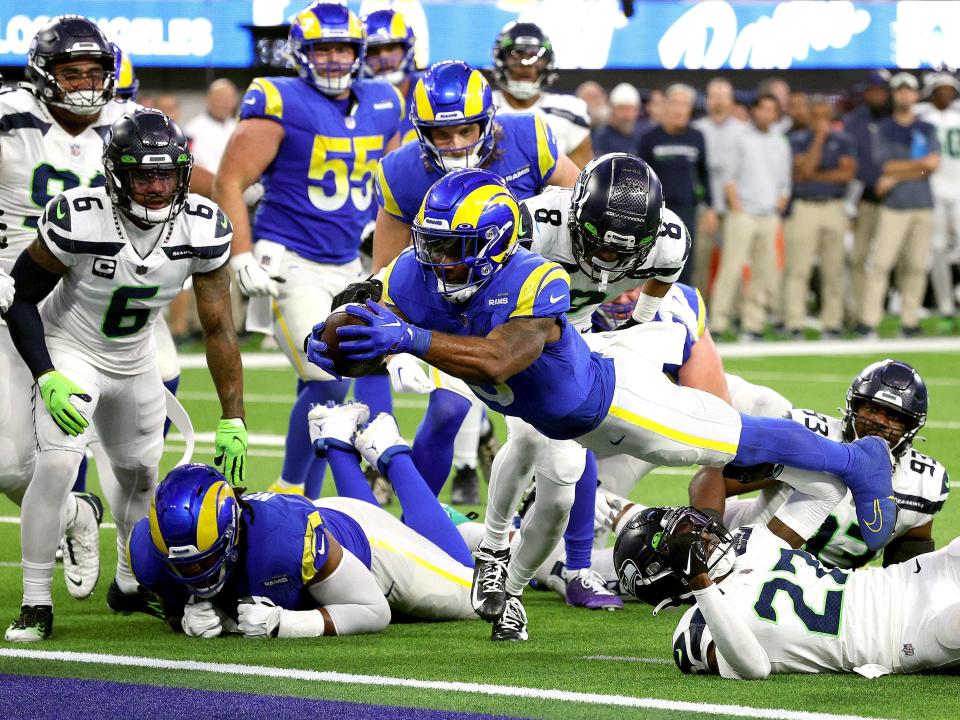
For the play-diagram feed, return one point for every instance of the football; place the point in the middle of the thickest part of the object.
(343, 365)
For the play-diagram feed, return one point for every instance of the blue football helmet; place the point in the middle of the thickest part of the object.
(388, 27)
(126, 84)
(465, 231)
(453, 93)
(611, 315)
(898, 388)
(320, 23)
(194, 523)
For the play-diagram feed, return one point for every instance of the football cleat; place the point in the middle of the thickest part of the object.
(282, 487)
(512, 624)
(587, 589)
(81, 547)
(871, 484)
(489, 592)
(379, 441)
(487, 449)
(34, 624)
(142, 601)
(465, 490)
(332, 424)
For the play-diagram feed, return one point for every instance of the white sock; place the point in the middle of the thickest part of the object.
(465, 444)
(37, 582)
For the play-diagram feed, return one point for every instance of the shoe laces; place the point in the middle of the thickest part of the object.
(514, 617)
(493, 570)
(593, 582)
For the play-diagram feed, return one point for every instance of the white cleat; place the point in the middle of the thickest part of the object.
(336, 423)
(380, 440)
(81, 547)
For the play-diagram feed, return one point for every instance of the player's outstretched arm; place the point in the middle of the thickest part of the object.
(223, 358)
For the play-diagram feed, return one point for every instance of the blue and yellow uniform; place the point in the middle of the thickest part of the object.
(408, 133)
(317, 191)
(281, 549)
(525, 157)
(566, 391)
(689, 296)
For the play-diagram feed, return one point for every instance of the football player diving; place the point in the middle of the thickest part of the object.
(104, 263)
(471, 302)
(277, 565)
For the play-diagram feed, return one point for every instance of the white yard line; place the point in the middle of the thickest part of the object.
(458, 687)
(618, 658)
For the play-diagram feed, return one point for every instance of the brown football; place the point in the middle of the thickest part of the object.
(344, 366)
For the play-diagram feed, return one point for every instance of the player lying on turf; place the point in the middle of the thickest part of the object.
(110, 259)
(277, 565)
(469, 301)
(888, 399)
(763, 606)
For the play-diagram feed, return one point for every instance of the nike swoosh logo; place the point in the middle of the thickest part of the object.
(555, 298)
(877, 517)
(918, 566)
(60, 213)
(618, 441)
(393, 324)
(323, 543)
(224, 223)
(78, 583)
(679, 656)
(249, 101)
(689, 567)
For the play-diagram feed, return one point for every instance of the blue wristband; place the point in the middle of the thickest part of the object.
(420, 343)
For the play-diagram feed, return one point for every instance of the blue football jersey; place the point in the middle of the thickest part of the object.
(525, 156)
(317, 192)
(566, 391)
(282, 547)
(691, 300)
(407, 132)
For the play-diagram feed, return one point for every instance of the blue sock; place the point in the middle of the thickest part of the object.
(347, 475)
(172, 386)
(778, 440)
(374, 392)
(299, 460)
(578, 537)
(421, 511)
(80, 484)
(433, 443)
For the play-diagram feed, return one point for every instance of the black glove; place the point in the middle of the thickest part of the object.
(752, 473)
(359, 293)
(687, 554)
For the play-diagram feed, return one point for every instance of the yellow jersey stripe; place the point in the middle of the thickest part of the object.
(422, 562)
(531, 287)
(701, 314)
(385, 296)
(403, 102)
(389, 202)
(295, 349)
(274, 100)
(308, 567)
(546, 158)
(673, 434)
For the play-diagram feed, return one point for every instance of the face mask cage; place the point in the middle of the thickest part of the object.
(206, 573)
(856, 426)
(330, 78)
(607, 260)
(445, 252)
(449, 159)
(87, 100)
(680, 520)
(120, 184)
(374, 66)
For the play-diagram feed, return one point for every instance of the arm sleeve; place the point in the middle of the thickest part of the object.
(33, 284)
(739, 654)
(352, 598)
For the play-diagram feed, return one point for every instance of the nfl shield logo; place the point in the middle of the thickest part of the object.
(350, 122)
(75, 150)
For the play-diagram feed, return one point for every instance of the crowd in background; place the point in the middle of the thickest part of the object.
(841, 205)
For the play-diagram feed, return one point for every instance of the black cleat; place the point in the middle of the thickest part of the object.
(466, 487)
(512, 625)
(489, 593)
(34, 624)
(142, 601)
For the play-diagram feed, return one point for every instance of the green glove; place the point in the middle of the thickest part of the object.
(56, 389)
(230, 445)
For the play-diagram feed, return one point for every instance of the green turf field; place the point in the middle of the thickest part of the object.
(565, 643)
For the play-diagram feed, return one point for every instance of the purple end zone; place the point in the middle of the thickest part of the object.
(73, 699)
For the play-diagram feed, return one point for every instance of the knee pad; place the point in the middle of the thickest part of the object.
(562, 464)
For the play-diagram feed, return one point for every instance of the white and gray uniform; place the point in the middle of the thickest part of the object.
(945, 183)
(417, 577)
(566, 115)
(810, 619)
(920, 485)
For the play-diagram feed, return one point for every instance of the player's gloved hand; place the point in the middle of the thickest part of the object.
(230, 446)
(608, 508)
(671, 310)
(6, 290)
(384, 333)
(316, 349)
(258, 617)
(687, 553)
(252, 277)
(56, 389)
(359, 292)
(407, 375)
(333, 425)
(202, 619)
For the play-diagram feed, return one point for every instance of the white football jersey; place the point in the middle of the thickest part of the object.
(39, 159)
(806, 617)
(543, 222)
(565, 114)
(105, 306)
(920, 484)
(945, 182)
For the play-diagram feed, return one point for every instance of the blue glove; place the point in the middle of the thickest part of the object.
(384, 334)
(316, 349)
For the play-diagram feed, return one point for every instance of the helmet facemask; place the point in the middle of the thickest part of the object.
(898, 428)
(467, 156)
(330, 78)
(205, 573)
(608, 259)
(461, 260)
(163, 184)
(525, 56)
(94, 88)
